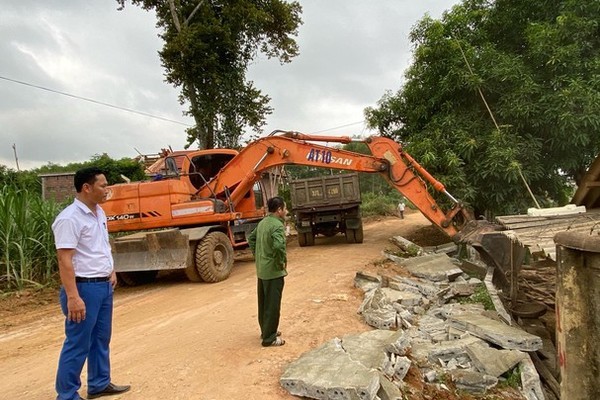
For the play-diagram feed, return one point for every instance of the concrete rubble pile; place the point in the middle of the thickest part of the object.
(418, 325)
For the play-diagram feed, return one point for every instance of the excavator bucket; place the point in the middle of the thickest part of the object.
(492, 242)
(145, 251)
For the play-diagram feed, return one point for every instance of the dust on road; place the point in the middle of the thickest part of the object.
(180, 340)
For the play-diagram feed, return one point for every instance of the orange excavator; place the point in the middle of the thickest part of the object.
(206, 202)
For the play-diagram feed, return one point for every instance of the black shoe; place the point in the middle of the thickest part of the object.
(110, 390)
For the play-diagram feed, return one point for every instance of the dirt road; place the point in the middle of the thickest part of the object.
(180, 340)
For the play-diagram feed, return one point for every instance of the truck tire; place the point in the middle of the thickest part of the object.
(306, 239)
(214, 257)
(136, 278)
(350, 235)
(354, 235)
(310, 239)
(302, 239)
(358, 235)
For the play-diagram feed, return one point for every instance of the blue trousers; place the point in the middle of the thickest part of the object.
(88, 339)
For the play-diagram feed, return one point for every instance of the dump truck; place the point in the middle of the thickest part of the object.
(205, 202)
(327, 205)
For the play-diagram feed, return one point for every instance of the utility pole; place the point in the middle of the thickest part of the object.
(14, 146)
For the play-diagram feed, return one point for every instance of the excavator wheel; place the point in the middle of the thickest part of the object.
(136, 278)
(191, 271)
(214, 257)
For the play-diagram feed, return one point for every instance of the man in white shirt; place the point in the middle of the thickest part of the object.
(88, 279)
(401, 209)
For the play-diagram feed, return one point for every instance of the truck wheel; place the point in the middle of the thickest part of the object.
(136, 278)
(310, 239)
(302, 239)
(214, 257)
(350, 236)
(358, 235)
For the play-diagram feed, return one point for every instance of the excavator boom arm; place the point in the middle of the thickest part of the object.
(292, 148)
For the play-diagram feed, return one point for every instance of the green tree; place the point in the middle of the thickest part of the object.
(537, 65)
(208, 45)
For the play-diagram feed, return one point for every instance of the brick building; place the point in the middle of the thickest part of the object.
(58, 187)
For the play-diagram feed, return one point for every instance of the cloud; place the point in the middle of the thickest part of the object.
(351, 52)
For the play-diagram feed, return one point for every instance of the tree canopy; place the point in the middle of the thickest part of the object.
(537, 65)
(208, 45)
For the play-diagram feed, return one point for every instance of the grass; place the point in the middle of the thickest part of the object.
(481, 296)
(512, 378)
(27, 254)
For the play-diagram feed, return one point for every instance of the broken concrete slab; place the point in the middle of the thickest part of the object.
(403, 297)
(407, 246)
(387, 390)
(328, 372)
(369, 348)
(424, 353)
(377, 310)
(333, 371)
(531, 387)
(491, 289)
(366, 281)
(472, 381)
(445, 311)
(434, 267)
(447, 248)
(396, 367)
(496, 332)
(426, 288)
(491, 361)
(474, 268)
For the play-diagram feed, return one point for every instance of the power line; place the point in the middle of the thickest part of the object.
(94, 101)
(341, 126)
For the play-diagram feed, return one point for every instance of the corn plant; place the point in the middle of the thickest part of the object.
(27, 254)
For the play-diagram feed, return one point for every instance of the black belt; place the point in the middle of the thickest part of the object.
(88, 280)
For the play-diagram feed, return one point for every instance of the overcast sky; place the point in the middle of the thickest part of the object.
(351, 52)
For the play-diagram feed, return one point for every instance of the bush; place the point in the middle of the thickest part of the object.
(377, 204)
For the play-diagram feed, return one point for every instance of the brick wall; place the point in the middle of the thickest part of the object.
(58, 187)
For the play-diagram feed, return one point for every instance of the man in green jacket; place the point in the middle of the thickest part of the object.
(268, 243)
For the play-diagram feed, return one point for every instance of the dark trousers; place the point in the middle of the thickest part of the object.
(269, 308)
(88, 339)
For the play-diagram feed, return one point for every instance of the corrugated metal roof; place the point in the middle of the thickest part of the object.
(537, 233)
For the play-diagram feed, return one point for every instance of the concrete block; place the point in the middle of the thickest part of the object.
(474, 268)
(530, 380)
(405, 298)
(387, 389)
(435, 267)
(425, 353)
(430, 375)
(505, 336)
(491, 361)
(328, 373)
(366, 282)
(369, 348)
(426, 288)
(378, 311)
(472, 381)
